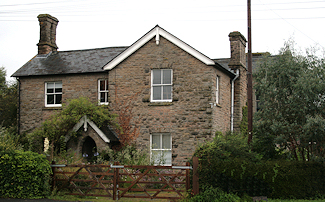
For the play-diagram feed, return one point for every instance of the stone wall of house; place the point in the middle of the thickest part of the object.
(189, 117)
(32, 95)
(221, 111)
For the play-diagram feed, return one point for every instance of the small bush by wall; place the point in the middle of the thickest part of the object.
(24, 175)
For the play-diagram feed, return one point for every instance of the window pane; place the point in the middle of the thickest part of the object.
(167, 157)
(106, 84)
(155, 141)
(58, 98)
(167, 76)
(156, 76)
(156, 93)
(166, 144)
(106, 96)
(50, 85)
(50, 99)
(58, 90)
(50, 90)
(167, 93)
(102, 85)
(102, 97)
(156, 156)
(58, 85)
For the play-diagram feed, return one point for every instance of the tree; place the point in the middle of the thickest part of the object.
(291, 88)
(8, 101)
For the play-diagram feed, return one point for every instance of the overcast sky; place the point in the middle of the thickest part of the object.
(203, 24)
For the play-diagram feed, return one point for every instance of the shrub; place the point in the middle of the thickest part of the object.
(24, 175)
(127, 155)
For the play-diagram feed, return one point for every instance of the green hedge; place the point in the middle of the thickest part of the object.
(275, 179)
(24, 175)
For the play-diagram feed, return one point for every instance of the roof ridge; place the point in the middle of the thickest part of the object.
(90, 49)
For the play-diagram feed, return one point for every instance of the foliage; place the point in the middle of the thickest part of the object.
(127, 155)
(9, 140)
(291, 88)
(274, 179)
(8, 101)
(18, 169)
(128, 125)
(244, 122)
(227, 147)
(60, 124)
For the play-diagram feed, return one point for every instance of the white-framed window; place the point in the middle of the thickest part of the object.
(53, 94)
(103, 91)
(161, 149)
(161, 85)
(217, 90)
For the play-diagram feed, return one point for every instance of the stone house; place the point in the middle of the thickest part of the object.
(180, 97)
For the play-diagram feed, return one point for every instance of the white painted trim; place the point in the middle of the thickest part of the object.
(151, 90)
(156, 32)
(45, 90)
(84, 121)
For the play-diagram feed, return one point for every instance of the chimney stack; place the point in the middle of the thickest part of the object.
(47, 41)
(237, 49)
(238, 62)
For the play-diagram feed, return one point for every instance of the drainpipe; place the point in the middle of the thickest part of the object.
(18, 107)
(233, 100)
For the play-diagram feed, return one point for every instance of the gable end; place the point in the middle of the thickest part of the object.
(157, 32)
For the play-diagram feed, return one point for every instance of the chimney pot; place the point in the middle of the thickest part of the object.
(47, 41)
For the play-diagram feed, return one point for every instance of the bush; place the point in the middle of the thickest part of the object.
(127, 155)
(227, 147)
(24, 175)
(229, 164)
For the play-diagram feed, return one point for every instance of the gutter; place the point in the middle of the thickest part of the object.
(233, 101)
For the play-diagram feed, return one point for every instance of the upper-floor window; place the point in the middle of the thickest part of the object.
(161, 149)
(217, 90)
(161, 85)
(53, 94)
(103, 91)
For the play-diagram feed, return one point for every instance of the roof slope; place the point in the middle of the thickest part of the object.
(69, 62)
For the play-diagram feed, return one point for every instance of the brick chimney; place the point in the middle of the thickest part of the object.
(47, 41)
(238, 62)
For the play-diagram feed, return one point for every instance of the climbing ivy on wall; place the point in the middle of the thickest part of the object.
(60, 124)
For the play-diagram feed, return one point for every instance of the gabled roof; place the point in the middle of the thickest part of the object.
(157, 32)
(105, 133)
(102, 59)
(69, 62)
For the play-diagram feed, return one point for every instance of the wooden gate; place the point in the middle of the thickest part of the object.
(117, 181)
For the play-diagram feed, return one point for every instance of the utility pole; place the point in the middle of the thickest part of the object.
(249, 75)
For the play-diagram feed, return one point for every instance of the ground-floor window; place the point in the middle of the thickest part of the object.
(161, 148)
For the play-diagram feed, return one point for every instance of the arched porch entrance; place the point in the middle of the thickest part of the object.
(89, 149)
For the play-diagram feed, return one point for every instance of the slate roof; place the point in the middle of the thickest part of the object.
(69, 62)
(256, 59)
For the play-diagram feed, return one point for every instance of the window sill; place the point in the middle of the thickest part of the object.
(160, 104)
(51, 108)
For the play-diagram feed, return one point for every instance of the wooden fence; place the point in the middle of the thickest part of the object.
(117, 181)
